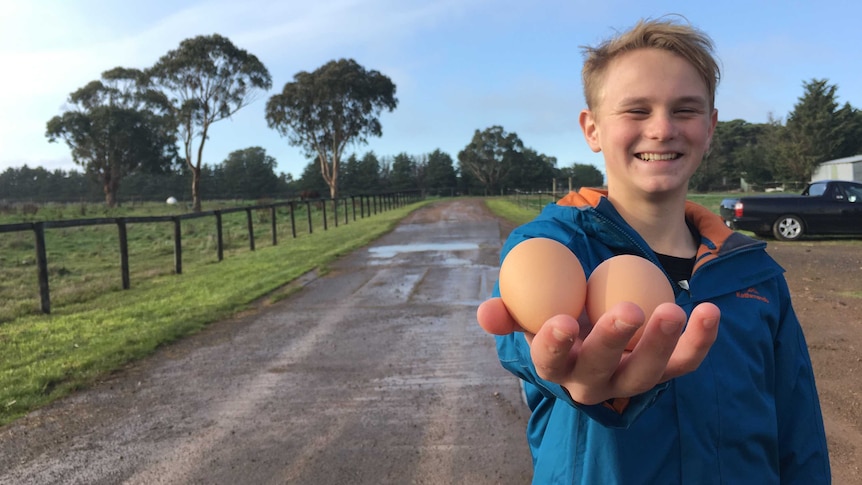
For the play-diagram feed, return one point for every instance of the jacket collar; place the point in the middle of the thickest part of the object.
(715, 237)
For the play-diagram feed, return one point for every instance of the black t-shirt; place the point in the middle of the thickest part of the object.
(679, 269)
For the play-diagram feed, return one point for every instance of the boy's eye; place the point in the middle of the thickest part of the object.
(689, 110)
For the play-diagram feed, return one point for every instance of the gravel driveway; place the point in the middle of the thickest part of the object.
(375, 373)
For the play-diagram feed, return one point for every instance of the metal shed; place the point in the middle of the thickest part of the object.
(849, 168)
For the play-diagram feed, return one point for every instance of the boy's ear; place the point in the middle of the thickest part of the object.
(591, 132)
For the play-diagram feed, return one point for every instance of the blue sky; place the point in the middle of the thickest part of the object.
(459, 65)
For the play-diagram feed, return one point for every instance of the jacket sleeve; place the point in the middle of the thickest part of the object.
(803, 454)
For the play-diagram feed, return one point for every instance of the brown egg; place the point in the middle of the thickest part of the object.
(540, 278)
(627, 278)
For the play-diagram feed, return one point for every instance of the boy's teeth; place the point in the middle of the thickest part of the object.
(657, 156)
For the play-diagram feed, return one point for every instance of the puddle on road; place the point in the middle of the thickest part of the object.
(391, 251)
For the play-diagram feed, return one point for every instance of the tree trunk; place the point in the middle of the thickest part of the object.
(109, 187)
(196, 189)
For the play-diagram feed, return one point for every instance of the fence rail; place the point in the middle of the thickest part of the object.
(367, 206)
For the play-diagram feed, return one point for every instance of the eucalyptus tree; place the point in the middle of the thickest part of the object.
(117, 126)
(326, 110)
(490, 156)
(207, 79)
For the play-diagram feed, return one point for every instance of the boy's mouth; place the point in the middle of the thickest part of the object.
(648, 157)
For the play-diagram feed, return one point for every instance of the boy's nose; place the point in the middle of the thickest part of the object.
(661, 126)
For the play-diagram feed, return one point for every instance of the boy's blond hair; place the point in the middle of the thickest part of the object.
(681, 39)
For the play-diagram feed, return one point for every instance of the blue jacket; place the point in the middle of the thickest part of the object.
(749, 414)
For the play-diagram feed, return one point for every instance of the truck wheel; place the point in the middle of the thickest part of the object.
(787, 228)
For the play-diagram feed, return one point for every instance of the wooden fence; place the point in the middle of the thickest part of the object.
(366, 205)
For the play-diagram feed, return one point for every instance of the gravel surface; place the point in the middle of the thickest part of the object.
(376, 373)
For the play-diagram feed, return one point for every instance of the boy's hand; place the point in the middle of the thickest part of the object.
(592, 363)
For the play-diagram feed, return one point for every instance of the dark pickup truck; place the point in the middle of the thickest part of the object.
(824, 207)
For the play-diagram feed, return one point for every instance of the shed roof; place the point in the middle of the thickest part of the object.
(838, 161)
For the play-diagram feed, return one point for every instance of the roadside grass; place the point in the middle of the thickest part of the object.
(101, 327)
(512, 211)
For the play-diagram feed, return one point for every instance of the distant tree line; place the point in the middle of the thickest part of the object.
(249, 174)
(140, 132)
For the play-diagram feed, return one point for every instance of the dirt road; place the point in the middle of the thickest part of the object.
(376, 373)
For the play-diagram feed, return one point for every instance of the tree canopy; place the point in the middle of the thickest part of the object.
(817, 130)
(490, 155)
(115, 127)
(249, 173)
(207, 79)
(326, 110)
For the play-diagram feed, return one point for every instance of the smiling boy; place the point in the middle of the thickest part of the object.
(730, 403)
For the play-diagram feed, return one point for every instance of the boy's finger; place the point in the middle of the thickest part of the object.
(695, 342)
(495, 319)
(646, 365)
(551, 348)
(602, 350)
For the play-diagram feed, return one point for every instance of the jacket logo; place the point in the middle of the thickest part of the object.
(751, 293)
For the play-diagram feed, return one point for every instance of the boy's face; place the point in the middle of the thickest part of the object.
(653, 121)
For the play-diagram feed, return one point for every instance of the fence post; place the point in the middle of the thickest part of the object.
(274, 228)
(335, 211)
(250, 224)
(220, 239)
(124, 252)
(42, 263)
(308, 213)
(292, 206)
(323, 205)
(178, 246)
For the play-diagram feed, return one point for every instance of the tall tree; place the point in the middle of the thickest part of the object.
(367, 175)
(440, 177)
(115, 127)
(530, 170)
(347, 176)
(815, 130)
(737, 152)
(489, 156)
(583, 175)
(326, 110)
(403, 173)
(250, 173)
(207, 79)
